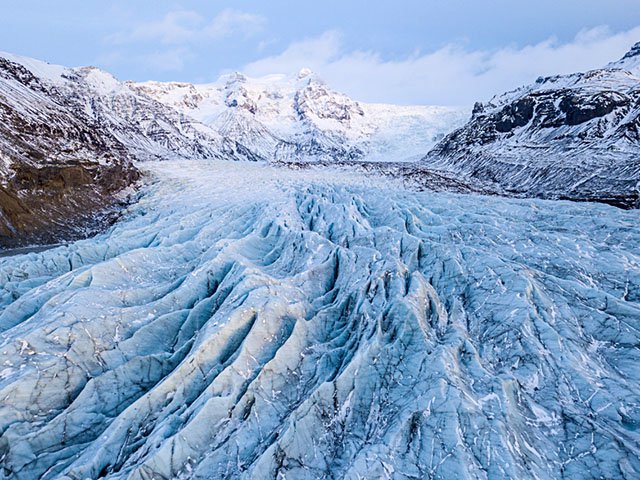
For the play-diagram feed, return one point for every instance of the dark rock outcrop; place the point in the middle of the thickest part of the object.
(52, 203)
(61, 171)
(566, 137)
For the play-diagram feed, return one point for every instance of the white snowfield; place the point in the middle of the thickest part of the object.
(244, 321)
(274, 118)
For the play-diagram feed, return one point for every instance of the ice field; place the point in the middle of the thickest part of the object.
(247, 321)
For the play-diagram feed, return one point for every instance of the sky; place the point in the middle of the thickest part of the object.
(446, 52)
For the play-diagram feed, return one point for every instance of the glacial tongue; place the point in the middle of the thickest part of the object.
(316, 324)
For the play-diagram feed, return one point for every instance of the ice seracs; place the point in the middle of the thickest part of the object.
(307, 324)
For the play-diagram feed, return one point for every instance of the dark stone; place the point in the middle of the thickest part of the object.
(548, 114)
(634, 52)
(15, 71)
(41, 205)
(580, 109)
(478, 109)
(518, 114)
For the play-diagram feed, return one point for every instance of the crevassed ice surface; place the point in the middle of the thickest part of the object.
(248, 322)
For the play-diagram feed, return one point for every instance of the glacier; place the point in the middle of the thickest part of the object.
(247, 321)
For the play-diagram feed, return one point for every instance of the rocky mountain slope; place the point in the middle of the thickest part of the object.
(571, 136)
(301, 119)
(58, 166)
(313, 322)
(69, 137)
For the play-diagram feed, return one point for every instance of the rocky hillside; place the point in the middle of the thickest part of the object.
(70, 135)
(58, 166)
(68, 140)
(573, 136)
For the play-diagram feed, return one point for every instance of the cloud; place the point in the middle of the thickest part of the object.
(315, 53)
(452, 75)
(171, 42)
(182, 27)
(230, 22)
(171, 59)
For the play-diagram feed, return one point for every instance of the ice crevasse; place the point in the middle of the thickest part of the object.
(245, 321)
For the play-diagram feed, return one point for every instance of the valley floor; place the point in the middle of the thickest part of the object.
(243, 321)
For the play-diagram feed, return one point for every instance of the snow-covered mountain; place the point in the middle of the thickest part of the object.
(301, 119)
(70, 135)
(247, 321)
(58, 165)
(69, 140)
(570, 136)
(55, 117)
(147, 128)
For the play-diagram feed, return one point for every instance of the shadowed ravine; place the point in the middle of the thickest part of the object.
(244, 321)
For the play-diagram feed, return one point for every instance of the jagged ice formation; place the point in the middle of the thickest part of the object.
(319, 324)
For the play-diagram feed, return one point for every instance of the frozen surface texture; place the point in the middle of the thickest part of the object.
(249, 322)
(68, 136)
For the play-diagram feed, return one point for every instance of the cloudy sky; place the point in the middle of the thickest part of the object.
(413, 51)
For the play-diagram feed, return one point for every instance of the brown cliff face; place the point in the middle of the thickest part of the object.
(61, 171)
(42, 205)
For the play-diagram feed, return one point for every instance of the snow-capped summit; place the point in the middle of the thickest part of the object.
(567, 136)
(60, 164)
(303, 119)
(54, 115)
(305, 73)
(68, 137)
(630, 61)
(38, 69)
(633, 52)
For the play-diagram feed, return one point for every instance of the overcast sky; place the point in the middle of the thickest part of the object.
(451, 52)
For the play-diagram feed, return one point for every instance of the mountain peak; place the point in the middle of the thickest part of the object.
(633, 53)
(305, 73)
(630, 61)
(232, 78)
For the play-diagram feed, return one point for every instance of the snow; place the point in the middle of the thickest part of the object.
(246, 321)
(381, 132)
(630, 62)
(406, 133)
(46, 71)
(101, 82)
(567, 136)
